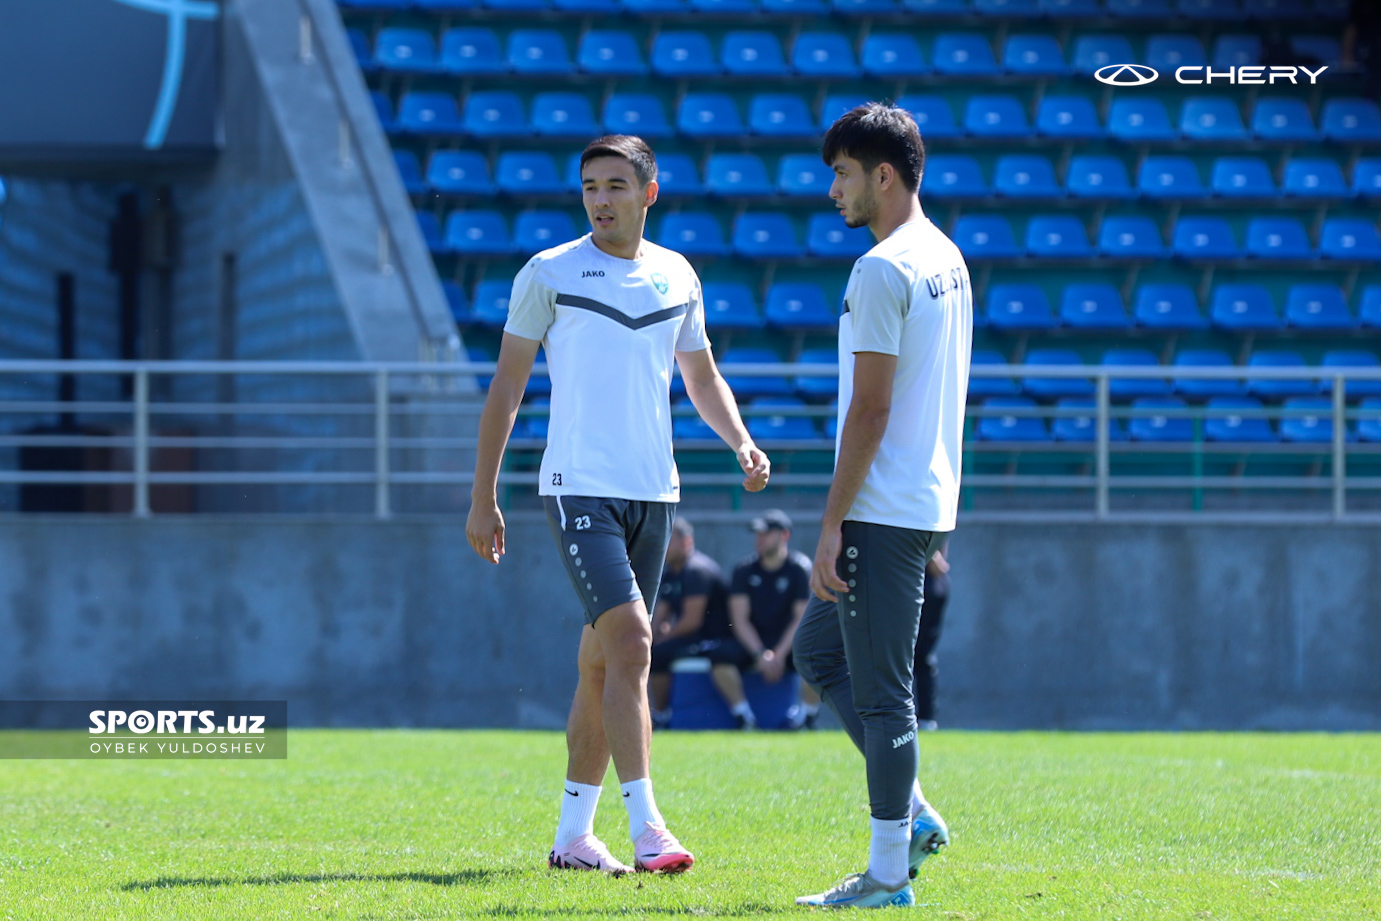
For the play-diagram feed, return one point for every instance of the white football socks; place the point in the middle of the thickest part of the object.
(889, 856)
(642, 808)
(917, 797)
(577, 812)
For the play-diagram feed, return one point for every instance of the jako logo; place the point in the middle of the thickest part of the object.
(1126, 74)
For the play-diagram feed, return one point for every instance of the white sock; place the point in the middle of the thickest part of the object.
(888, 859)
(917, 797)
(577, 812)
(745, 710)
(642, 808)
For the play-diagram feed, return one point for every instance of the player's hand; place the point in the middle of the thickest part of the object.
(823, 576)
(484, 530)
(770, 667)
(756, 467)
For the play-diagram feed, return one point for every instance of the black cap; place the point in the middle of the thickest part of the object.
(771, 520)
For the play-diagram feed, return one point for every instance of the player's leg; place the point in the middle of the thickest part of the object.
(927, 638)
(818, 653)
(728, 660)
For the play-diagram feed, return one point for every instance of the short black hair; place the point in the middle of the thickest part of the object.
(628, 147)
(876, 133)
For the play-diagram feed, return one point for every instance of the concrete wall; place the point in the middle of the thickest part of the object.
(364, 623)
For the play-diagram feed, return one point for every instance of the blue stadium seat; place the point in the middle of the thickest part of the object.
(538, 51)
(1170, 177)
(1139, 9)
(737, 174)
(765, 235)
(1034, 56)
(431, 233)
(837, 104)
(1093, 306)
(610, 52)
(1352, 120)
(965, 54)
(1167, 52)
(573, 182)
(1121, 388)
(1011, 427)
(995, 117)
(478, 233)
(1238, 425)
(893, 55)
(953, 176)
(563, 115)
(383, 108)
(1143, 119)
(654, 7)
(1198, 388)
(1046, 388)
(1236, 51)
(1366, 178)
(457, 301)
(827, 235)
(1370, 429)
(1308, 177)
(410, 171)
(780, 115)
(1275, 10)
(824, 54)
(429, 114)
(459, 172)
(1242, 177)
(408, 51)
(1352, 358)
(730, 305)
(1057, 236)
(1004, 7)
(534, 231)
(1315, 426)
(535, 425)
(495, 113)
(1098, 177)
(796, 305)
(1161, 426)
(753, 386)
(1277, 238)
(724, 6)
(1314, 306)
(1167, 306)
(1276, 389)
(753, 54)
(1092, 52)
(680, 53)
(471, 50)
(1283, 120)
(491, 307)
(1212, 10)
(690, 427)
(1369, 307)
(781, 427)
(804, 175)
(636, 113)
(985, 236)
(810, 385)
(1204, 238)
(1332, 9)
(1025, 176)
(706, 115)
(1069, 8)
(693, 233)
(864, 7)
(1350, 238)
(515, 5)
(587, 6)
(936, 6)
(1241, 307)
(933, 116)
(1019, 307)
(1084, 426)
(990, 386)
(1068, 117)
(1325, 49)
(1130, 237)
(528, 172)
(359, 44)
(1212, 118)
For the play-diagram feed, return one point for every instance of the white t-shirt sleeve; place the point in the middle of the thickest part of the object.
(879, 298)
(692, 337)
(532, 305)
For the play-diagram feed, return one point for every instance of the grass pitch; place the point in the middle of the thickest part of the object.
(416, 824)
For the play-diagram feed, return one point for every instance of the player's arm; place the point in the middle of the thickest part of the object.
(710, 394)
(740, 619)
(692, 617)
(661, 620)
(798, 610)
(484, 528)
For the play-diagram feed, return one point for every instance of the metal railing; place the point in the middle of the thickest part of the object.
(376, 400)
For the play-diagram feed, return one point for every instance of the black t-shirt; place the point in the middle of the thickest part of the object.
(772, 594)
(700, 576)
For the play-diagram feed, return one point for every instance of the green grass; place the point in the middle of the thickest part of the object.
(416, 824)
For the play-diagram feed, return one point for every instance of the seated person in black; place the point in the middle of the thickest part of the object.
(691, 611)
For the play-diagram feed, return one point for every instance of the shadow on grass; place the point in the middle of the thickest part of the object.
(459, 878)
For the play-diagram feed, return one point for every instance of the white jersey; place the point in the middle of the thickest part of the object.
(909, 296)
(610, 328)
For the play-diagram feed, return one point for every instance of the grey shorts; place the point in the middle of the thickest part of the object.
(613, 549)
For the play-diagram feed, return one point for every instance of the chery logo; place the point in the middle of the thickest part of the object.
(1126, 74)
(1198, 75)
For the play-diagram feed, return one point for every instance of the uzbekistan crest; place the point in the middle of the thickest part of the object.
(659, 281)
